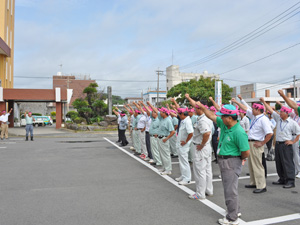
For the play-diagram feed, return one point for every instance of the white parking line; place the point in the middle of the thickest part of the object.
(208, 203)
(3, 147)
(279, 219)
(172, 181)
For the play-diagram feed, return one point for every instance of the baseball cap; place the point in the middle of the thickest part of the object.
(228, 110)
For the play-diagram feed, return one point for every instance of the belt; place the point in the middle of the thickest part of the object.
(147, 132)
(294, 134)
(252, 140)
(160, 137)
(196, 143)
(227, 156)
(280, 142)
(140, 128)
(29, 124)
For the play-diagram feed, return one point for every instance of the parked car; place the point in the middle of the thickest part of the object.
(39, 120)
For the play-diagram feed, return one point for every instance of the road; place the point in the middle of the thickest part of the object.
(81, 178)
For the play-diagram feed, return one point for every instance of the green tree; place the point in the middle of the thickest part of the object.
(199, 90)
(92, 107)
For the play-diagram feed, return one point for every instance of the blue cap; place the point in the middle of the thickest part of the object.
(228, 110)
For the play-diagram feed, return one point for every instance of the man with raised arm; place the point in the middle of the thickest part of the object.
(140, 128)
(136, 142)
(296, 117)
(165, 132)
(173, 139)
(260, 132)
(131, 113)
(153, 130)
(202, 150)
(286, 127)
(232, 149)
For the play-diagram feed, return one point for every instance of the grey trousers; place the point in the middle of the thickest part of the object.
(230, 171)
(29, 129)
(296, 156)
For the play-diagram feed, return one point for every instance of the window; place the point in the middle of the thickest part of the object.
(6, 69)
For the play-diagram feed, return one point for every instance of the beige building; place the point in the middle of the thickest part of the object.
(7, 20)
(174, 76)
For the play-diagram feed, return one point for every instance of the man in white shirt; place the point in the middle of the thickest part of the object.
(202, 150)
(244, 121)
(286, 127)
(184, 140)
(4, 123)
(260, 132)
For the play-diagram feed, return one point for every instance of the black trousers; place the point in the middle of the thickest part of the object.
(123, 137)
(269, 144)
(284, 163)
(214, 142)
(119, 137)
(148, 146)
(264, 163)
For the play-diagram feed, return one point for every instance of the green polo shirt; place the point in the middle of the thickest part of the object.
(165, 126)
(298, 109)
(233, 141)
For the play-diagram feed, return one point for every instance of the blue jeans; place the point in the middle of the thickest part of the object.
(29, 128)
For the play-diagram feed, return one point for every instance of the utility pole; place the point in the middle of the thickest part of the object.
(159, 72)
(294, 87)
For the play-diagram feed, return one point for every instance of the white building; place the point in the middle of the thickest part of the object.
(258, 89)
(174, 76)
(151, 96)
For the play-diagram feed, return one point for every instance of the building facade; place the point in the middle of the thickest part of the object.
(257, 90)
(174, 76)
(77, 84)
(151, 96)
(7, 20)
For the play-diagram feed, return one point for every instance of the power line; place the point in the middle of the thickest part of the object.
(275, 53)
(241, 41)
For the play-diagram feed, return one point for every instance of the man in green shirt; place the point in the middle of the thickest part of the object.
(232, 149)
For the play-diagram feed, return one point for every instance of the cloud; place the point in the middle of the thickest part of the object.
(129, 40)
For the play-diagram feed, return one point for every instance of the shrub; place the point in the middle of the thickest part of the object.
(79, 120)
(72, 115)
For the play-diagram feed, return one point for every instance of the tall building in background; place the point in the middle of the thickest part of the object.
(174, 76)
(7, 21)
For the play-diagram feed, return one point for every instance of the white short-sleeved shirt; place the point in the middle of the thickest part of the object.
(148, 122)
(202, 126)
(285, 128)
(185, 129)
(260, 126)
(245, 124)
(295, 117)
(4, 118)
(142, 122)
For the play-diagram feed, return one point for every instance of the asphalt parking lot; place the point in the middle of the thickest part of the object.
(87, 179)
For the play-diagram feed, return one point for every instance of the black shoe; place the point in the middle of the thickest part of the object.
(248, 174)
(118, 141)
(175, 156)
(250, 186)
(32, 138)
(289, 186)
(26, 139)
(278, 182)
(137, 153)
(258, 191)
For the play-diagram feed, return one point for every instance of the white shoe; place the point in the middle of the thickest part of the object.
(178, 179)
(225, 221)
(151, 161)
(161, 170)
(183, 182)
(195, 197)
(147, 159)
(298, 175)
(166, 173)
(131, 148)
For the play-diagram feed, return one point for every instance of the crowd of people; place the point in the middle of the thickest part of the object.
(232, 133)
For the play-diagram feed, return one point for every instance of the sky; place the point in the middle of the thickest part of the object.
(126, 41)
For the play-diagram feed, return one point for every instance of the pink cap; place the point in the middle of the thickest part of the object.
(164, 110)
(191, 110)
(212, 108)
(258, 106)
(122, 114)
(173, 111)
(137, 111)
(242, 111)
(286, 109)
(182, 110)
